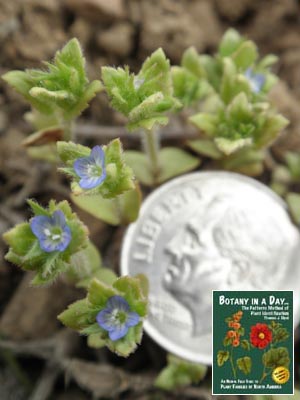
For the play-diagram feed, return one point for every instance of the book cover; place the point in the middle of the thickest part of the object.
(253, 342)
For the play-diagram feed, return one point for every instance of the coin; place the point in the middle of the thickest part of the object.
(205, 231)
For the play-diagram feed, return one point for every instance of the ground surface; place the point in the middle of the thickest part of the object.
(36, 350)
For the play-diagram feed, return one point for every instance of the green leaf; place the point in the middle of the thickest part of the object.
(179, 373)
(244, 364)
(228, 146)
(85, 264)
(141, 167)
(128, 344)
(175, 162)
(230, 42)
(293, 163)
(205, 148)
(293, 201)
(245, 344)
(192, 62)
(172, 161)
(99, 293)
(245, 55)
(123, 209)
(206, 122)
(276, 357)
(189, 80)
(222, 357)
(77, 316)
(104, 275)
(246, 160)
(227, 341)
(95, 341)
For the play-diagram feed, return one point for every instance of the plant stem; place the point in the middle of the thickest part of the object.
(69, 131)
(151, 146)
(232, 364)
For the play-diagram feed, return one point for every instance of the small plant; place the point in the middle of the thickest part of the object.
(227, 94)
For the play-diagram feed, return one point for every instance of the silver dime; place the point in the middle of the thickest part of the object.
(205, 231)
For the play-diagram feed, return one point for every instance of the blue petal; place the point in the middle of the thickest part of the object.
(81, 166)
(48, 245)
(66, 237)
(98, 155)
(132, 319)
(259, 81)
(59, 219)
(117, 302)
(249, 73)
(90, 182)
(118, 332)
(38, 225)
(104, 320)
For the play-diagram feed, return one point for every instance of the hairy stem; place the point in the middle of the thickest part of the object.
(69, 131)
(151, 146)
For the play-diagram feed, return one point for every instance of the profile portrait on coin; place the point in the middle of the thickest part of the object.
(223, 247)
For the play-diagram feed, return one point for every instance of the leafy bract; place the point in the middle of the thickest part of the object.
(143, 98)
(62, 89)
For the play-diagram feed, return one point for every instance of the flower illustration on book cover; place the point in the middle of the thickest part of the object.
(266, 338)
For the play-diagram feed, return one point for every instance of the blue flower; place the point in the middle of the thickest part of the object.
(116, 317)
(52, 232)
(256, 80)
(91, 169)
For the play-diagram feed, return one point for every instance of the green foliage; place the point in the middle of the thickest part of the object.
(293, 200)
(279, 333)
(121, 210)
(143, 98)
(278, 357)
(172, 162)
(285, 175)
(81, 315)
(26, 252)
(225, 70)
(240, 124)
(293, 163)
(189, 79)
(245, 344)
(236, 112)
(244, 364)
(119, 177)
(84, 265)
(179, 373)
(222, 357)
(63, 90)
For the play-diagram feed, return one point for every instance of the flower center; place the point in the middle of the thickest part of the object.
(94, 170)
(261, 335)
(118, 316)
(53, 234)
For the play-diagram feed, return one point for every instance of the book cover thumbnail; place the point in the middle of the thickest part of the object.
(253, 342)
